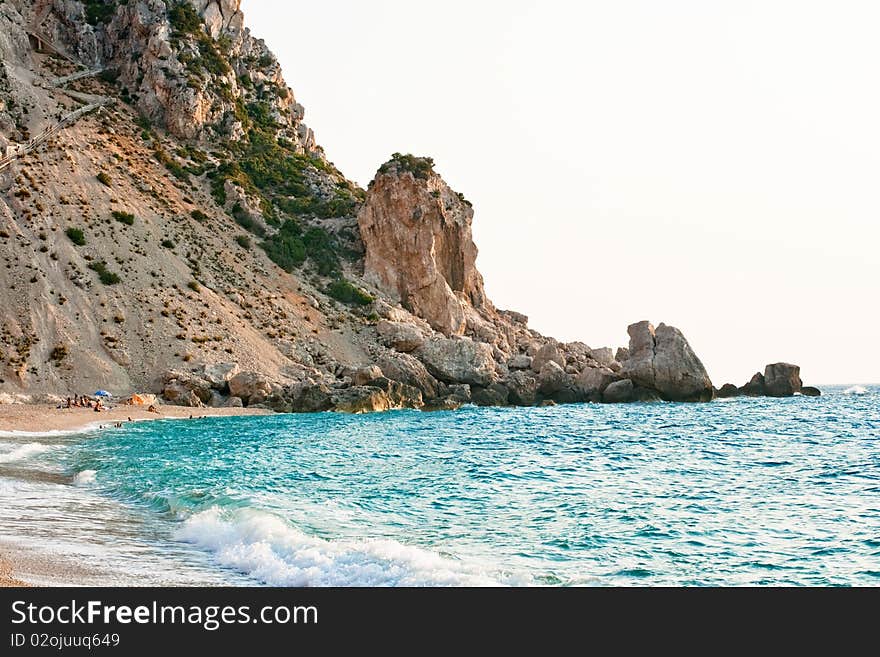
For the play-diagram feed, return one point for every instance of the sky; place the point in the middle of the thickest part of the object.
(710, 165)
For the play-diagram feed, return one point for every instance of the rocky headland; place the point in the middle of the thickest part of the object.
(169, 224)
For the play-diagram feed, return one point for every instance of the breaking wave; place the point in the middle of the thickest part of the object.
(269, 549)
(856, 390)
(21, 452)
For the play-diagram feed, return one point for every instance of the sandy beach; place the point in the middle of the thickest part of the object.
(40, 418)
(28, 419)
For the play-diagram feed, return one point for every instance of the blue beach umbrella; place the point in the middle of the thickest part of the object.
(102, 393)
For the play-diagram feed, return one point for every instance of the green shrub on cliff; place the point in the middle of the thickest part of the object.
(106, 276)
(344, 291)
(420, 167)
(77, 236)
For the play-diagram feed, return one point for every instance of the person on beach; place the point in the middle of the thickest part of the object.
(69, 403)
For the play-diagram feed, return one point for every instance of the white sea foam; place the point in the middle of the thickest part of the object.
(269, 549)
(54, 433)
(23, 451)
(856, 390)
(84, 478)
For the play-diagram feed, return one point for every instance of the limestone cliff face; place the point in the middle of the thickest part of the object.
(419, 247)
(189, 66)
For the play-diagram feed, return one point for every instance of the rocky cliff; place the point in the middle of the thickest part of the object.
(168, 223)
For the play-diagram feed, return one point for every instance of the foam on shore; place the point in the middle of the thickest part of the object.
(271, 550)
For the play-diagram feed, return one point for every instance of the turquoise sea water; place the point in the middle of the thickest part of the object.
(738, 492)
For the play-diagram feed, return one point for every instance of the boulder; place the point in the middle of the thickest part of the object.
(662, 359)
(252, 387)
(234, 402)
(552, 379)
(460, 393)
(520, 362)
(218, 374)
(178, 385)
(547, 353)
(458, 361)
(810, 391)
(646, 395)
(178, 394)
(522, 388)
(444, 404)
(782, 380)
(493, 395)
(399, 394)
(594, 380)
(755, 387)
(727, 391)
(409, 370)
(360, 399)
(400, 336)
(622, 355)
(365, 375)
(619, 392)
(311, 398)
(603, 356)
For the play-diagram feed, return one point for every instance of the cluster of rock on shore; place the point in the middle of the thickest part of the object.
(440, 343)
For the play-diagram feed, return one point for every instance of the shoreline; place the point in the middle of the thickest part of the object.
(29, 421)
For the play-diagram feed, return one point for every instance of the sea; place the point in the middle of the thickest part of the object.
(740, 492)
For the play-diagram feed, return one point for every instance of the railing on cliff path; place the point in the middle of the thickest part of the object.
(48, 133)
(93, 102)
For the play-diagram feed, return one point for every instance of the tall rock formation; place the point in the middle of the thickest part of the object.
(662, 360)
(419, 247)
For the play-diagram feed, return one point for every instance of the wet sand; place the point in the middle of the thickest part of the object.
(40, 418)
(26, 419)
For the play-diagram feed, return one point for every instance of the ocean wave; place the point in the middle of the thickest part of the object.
(25, 451)
(269, 549)
(856, 390)
(84, 478)
(53, 433)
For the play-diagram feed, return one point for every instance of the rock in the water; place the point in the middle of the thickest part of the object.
(810, 391)
(594, 380)
(312, 399)
(361, 399)
(646, 395)
(494, 395)
(252, 387)
(399, 394)
(365, 375)
(782, 380)
(400, 336)
(460, 393)
(523, 388)
(619, 392)
(552, 379)
(727, 391)
(444, 404)
(458, 361)
(409, 370)
(663, 360)
(755, 387)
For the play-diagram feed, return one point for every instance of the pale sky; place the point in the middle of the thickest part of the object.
(711, 165)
